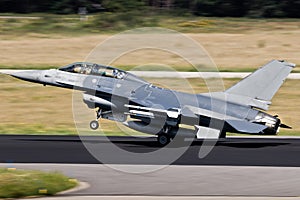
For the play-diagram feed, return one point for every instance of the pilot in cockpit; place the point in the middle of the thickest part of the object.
(88, 70)
(115, 73)
(78, 68)
(118, 74)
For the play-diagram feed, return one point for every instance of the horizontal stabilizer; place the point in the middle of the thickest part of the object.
(246, 127)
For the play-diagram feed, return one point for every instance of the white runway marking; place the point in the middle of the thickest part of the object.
(159, 74)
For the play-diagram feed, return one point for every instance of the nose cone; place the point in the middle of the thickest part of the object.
(9, 72)
(28, 75)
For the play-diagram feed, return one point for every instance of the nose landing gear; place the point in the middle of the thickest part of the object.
(94, 125)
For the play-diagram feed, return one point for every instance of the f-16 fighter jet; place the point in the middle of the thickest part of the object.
(123, 97)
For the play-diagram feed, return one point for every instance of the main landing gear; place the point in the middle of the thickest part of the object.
(163, 139)
(94, 125)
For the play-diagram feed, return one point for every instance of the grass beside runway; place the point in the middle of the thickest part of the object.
(235, 44)
(16, 183)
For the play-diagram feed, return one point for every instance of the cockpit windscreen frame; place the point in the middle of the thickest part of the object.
(94, 69)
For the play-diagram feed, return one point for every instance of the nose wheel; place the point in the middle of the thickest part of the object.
(94, 125)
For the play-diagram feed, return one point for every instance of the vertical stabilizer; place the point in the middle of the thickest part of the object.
(264, 82)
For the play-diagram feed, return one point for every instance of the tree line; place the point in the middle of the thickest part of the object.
(212, 8)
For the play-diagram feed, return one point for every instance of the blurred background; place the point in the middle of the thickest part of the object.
(216, 8)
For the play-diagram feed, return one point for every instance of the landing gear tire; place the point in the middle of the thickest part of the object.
(163, 139)
(94, 125)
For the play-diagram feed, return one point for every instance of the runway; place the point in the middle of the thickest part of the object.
(280, 152)
(247, 167)
(180, 180)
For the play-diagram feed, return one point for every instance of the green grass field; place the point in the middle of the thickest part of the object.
(16, 183)
(107, 23)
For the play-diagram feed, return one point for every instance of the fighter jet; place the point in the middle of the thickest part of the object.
(125, 98)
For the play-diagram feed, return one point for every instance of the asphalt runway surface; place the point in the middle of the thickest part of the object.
(249, 167)
(281, 152)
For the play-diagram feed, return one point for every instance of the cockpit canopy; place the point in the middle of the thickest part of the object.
(94, 69)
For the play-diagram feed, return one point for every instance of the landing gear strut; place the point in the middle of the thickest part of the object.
(164, 138)
(94, 125)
